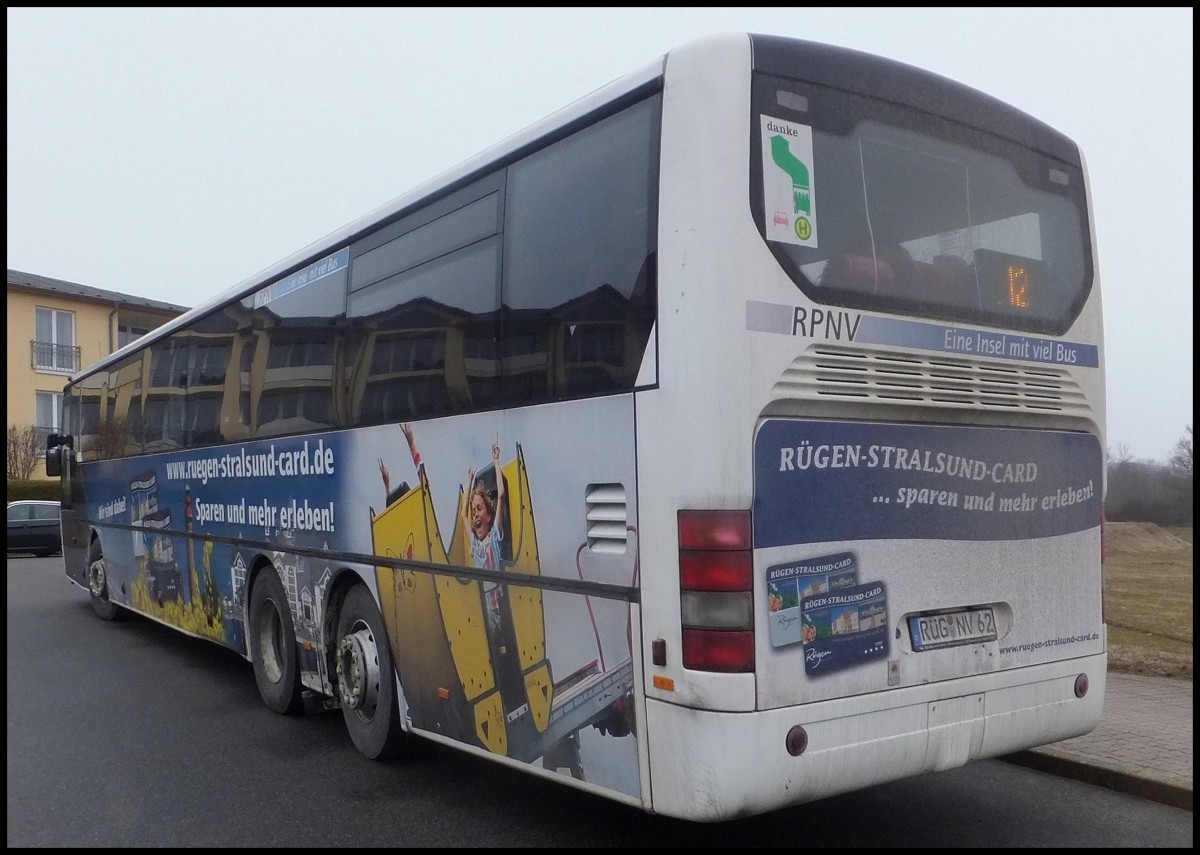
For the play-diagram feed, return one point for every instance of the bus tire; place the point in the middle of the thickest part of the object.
(366, 680)
(97, 577)
(272, 643)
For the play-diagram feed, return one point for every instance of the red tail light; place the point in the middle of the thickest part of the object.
(714, 529)
(718, 650)
(723, 570)
(716, 581)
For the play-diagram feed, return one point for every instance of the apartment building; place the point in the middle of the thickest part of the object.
(55, 328)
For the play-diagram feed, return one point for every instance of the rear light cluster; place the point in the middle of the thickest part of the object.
(716, 599)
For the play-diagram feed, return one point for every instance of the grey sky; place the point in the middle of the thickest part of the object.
(173, 153)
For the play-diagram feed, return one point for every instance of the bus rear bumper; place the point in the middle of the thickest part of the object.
(711, 766)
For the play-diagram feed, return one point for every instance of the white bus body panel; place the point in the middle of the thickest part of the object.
(718, 766)
(694, 441)
(720, 380)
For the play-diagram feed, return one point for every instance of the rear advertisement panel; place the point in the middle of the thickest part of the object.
(856, 481)
(895, 553)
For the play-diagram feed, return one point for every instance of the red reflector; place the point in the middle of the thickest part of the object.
(715, 571)
(718, 650)
(714, 529)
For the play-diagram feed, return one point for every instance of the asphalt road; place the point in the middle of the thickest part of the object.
(130, 734)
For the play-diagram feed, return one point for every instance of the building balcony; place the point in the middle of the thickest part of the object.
(59, 358)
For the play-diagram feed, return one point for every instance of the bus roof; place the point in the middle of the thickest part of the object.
(772, 54)
(891, 80)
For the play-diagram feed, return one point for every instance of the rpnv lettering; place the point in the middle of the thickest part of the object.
(818, 323)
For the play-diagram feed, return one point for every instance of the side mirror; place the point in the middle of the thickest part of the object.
(54, 455)
(58, 452)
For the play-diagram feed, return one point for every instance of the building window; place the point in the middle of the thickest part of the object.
(54, 346)
(127, 333)
(48, 412)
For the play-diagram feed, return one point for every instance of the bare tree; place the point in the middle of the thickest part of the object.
(1150, 491)
(24, 451)
(1181, 456)
(1123, 456)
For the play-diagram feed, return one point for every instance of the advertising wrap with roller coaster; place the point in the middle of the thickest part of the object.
(538, 675)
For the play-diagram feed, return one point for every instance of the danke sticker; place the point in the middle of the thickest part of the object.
(789, 197)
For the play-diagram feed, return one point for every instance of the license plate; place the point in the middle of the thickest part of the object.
(967, 626)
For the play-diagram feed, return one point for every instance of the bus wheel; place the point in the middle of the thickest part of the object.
(273, 646)
(104, 608)
(366, 679)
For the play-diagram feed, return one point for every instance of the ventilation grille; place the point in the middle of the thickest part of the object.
(607, 518)
(825, 373)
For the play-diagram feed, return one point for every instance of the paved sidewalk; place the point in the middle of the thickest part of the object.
(1142, 745)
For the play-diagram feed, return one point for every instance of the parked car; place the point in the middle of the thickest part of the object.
(33, 526)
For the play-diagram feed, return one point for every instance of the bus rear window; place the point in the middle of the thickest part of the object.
(871, 205)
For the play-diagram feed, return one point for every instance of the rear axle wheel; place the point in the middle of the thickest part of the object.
(366, 680)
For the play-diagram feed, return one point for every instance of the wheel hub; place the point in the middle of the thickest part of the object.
(358, 671)
(97, 581)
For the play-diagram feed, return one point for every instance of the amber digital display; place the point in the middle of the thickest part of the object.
(1013, 284)
(1018, 286)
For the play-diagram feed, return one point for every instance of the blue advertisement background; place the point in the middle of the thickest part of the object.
(819, 481)
(278, 478)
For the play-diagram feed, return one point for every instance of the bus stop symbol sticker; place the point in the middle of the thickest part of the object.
(788, 191)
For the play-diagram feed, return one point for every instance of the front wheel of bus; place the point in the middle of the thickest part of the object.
(273, 646)
(366, 679)
(97, 577)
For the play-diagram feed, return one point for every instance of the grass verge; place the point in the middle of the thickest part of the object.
(1148, 591)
